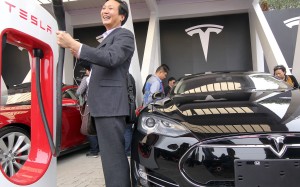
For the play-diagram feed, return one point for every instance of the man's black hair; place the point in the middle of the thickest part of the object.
(85, 65)
(281, 67)
(171, 79)
(88, 68)
(164, 68)
(123, 10)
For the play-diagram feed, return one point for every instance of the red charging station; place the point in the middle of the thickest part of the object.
(27, 25)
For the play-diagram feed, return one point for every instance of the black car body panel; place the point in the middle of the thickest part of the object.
(221, 119)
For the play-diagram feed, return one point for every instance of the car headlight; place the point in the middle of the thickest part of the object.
(154, 124)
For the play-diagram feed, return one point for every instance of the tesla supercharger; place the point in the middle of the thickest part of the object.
(28, 26)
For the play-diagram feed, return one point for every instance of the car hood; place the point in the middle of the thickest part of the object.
(14, 114)
(224, 113)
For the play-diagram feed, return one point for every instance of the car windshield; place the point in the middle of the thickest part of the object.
(229, 82)
(70, 94)
(21, 94)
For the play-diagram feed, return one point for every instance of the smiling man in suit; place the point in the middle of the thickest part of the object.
(108, 96)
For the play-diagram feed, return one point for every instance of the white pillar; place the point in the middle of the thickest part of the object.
(296, 63)
(269, 44)
(152, 57)
(257, 52)
(135, 65)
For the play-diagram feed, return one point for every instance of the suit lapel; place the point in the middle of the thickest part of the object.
(108, 38)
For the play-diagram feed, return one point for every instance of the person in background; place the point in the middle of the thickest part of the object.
(171, 83)
(280, 73)
(108, 94)
(82, 91)
(148, 76)
(83, 86)
(128, 129)
(154, 83)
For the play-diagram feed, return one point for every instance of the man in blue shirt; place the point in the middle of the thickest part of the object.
(154, 83)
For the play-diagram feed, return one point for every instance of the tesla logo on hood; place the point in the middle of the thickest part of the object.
(204, 34)
(292, 22)
(277, 145)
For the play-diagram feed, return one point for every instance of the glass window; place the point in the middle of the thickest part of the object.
(70, 93)
(265, 82)
(228, 82)
(15, 76)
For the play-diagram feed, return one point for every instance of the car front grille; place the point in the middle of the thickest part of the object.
(212, 163)
(221, 183)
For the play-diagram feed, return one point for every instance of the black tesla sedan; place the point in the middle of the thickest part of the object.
(220, 129)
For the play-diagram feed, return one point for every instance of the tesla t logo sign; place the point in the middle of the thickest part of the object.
(204, 34)
(292, 22)
(25, 15)
(278, 142)
(277, 145)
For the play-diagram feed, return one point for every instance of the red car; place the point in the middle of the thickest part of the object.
(15, 126)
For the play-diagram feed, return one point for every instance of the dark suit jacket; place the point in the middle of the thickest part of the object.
(108, 94)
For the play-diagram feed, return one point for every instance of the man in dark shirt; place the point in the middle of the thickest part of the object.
(171, 83)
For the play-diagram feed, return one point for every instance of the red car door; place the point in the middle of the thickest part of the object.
(71, 117)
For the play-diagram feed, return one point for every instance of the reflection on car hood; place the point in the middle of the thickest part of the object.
(234, 112)
(14, 114)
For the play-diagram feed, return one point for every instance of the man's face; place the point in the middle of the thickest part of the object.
(172, 83)
(110, 15)
(87, 72)
(162, 75)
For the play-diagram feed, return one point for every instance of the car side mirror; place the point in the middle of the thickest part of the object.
(158, 95)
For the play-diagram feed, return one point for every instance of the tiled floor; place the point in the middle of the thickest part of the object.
(77, 170)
